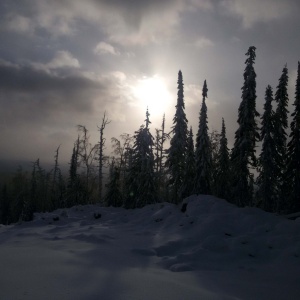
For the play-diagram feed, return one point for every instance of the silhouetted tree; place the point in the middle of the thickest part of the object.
(293, 162)
(57, 185)
(281, 124)
(113, 195)
(101, 157)
(190, 172)
(267, 193)
(243, 153)
(87, 154)
(142, 189)
(176, 154)
(203, 151)
(160, 137)
(122, 149)
(222, 179)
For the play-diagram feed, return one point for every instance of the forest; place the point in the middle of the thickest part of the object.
(147, 168)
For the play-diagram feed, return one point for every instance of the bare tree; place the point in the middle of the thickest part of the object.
(87, 153)
(122, 148)
(56, 171)
(105, 121)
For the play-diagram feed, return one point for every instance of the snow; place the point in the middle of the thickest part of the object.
(213, 250)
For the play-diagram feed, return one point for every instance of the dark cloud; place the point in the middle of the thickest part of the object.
(40, 109)
(133, 11)
(26, 91)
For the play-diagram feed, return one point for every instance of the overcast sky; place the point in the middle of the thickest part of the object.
(65, 62)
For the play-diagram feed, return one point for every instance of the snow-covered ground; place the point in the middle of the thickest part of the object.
(213, 250)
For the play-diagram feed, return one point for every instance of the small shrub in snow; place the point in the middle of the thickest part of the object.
(97, 215)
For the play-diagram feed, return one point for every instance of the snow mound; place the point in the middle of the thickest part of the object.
(204, 248)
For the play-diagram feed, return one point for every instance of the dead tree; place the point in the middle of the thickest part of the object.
(105, 121)
(87, 153)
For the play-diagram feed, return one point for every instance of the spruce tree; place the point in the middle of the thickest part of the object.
(142, 189)
(214, 138)
(293, 162)
(223, 167)
(246, 136)
(267, 193)
(203, 153)
(176, 154)
(189, 174)
(281, 124)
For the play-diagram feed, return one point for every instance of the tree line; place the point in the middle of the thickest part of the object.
(143, 171)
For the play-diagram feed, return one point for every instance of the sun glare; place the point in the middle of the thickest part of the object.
(152, 92)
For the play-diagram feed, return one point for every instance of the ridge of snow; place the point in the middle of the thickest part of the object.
(213, 250)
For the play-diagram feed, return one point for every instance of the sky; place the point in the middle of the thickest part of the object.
(64, 63)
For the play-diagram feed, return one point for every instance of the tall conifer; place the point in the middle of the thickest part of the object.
(203, 153)
(267, 193)
(142, 189)
(246, 136)
(223, 165)
(281, 125)
(293, 163)
(178, 146)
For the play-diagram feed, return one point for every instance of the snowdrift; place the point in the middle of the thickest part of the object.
(204, 248)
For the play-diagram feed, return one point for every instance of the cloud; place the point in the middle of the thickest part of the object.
(252, 12)
(32, 94)
(205, 5)
(18, 23)
(63, 59)
(126, 23)
(203, 42)
(36, 96)
(43, 107)
(105, 48)
(135, 22)
(193, 94)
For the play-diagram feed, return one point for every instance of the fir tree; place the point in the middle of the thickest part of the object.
(189, 174)
(267, 193)
(176, 154)
(243, 153)
(281, 124)
(214, 138)
(293, 162)
(223, 167)
(203, 153)
(142, 189)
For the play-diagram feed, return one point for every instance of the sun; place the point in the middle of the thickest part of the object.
(152, 92)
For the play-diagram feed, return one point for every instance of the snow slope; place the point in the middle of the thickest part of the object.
(213, 250)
